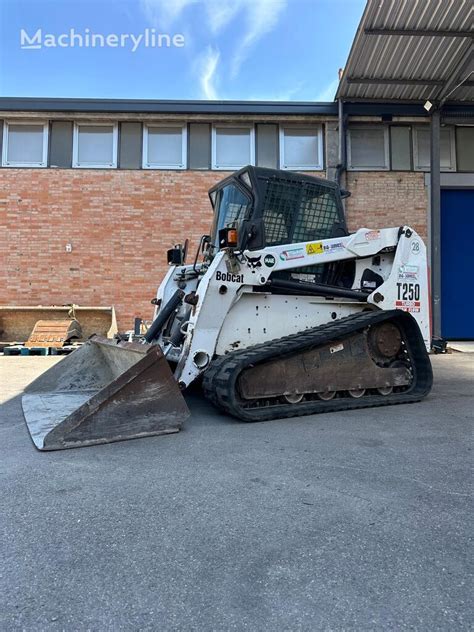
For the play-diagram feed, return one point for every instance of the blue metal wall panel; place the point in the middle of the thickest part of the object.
(457, 264)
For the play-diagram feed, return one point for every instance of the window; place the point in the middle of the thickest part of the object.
(232, 147)
(95, 145)
(367, 148)
(25, 145)
(301, 148)
(421, 148)
(400, 148)
(465, 148)
(164, 147)
(232, 206)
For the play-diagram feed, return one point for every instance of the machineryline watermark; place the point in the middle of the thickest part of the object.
(148, 38)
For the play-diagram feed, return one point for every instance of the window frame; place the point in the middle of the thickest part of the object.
(410, 134)
(456, 128)
(184, 146)
(32, 165)
(386, 137)
(75, 144)
(452, 147)
(215, 127)
(281, 150)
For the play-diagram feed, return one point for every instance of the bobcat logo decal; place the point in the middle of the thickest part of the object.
(254, 262)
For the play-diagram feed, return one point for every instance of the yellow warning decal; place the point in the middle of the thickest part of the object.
(316, 248)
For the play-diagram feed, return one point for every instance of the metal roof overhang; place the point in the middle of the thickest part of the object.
(412, 51)
(210, 108)
(141, 106)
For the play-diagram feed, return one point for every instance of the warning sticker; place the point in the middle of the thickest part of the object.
(408, 306)
(371, 235)
(315, 248)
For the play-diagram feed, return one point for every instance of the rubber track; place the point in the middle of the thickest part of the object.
(220, 379)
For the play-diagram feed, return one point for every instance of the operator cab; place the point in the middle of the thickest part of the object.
(270, 207)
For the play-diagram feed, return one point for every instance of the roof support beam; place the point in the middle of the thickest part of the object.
(398, 81)
(418, 32)
(435, 224)
(463, 70)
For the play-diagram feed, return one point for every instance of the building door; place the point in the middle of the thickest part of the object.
(457, 264)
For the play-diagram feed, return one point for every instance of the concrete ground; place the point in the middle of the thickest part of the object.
(354, 521)
(463, 346)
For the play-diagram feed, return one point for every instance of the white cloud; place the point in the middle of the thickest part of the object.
(207, 70)
(329, 92)
(258, 17)
(221, 12)
(163, 13)
(261, 18)
(218, 12)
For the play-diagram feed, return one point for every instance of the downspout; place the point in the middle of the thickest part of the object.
(342, 154)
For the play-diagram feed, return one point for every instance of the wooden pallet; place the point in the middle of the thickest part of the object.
(21, 350)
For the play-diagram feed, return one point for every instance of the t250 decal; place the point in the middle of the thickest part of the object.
(408, 291)
(408, 297)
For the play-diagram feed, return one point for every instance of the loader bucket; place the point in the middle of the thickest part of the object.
(18, 321)
(104, 391)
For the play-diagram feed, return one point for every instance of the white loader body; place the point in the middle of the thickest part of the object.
(232, 312)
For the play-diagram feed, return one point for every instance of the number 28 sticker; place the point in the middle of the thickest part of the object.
(415, 247)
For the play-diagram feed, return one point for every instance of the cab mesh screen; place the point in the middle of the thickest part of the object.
(295, 212)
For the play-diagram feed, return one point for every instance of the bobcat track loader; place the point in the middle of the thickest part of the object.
(284, 314)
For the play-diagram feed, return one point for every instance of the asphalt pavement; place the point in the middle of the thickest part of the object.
(345, 521)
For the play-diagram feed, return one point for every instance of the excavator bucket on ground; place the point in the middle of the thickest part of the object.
(54, 333)
(104, 391)
(17, 322)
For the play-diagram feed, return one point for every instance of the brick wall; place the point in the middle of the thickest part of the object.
(383, 199)
(120, 224)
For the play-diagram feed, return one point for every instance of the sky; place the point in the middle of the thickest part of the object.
(276, 50)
